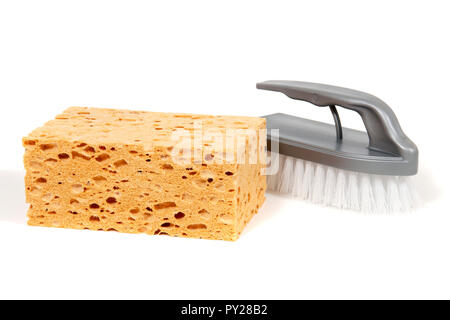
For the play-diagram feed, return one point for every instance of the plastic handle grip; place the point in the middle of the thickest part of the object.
(383, 128)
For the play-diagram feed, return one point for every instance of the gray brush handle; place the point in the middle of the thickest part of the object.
(383, 128)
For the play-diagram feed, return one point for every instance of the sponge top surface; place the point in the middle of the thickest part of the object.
(142, 128)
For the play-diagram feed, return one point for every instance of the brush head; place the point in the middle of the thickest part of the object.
(340, 188)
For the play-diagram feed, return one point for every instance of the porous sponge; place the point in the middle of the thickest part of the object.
(121, 170)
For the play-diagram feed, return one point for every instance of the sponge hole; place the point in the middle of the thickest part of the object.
(179, 215)
(165, 205)
(120, 163)
(99, 179)
(196, 226)
(76, 155)
(29, 142)
(111, 200)
(102, 157)
(47, 146)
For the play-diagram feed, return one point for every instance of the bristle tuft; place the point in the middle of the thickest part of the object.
(318, 184)
(330, 186)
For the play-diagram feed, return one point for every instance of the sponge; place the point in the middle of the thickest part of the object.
(145, 172)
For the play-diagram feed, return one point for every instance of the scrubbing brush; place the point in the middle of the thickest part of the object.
(336, 166)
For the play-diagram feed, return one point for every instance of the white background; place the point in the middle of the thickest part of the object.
(205, 57)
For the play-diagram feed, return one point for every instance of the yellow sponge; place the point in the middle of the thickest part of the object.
(144, 172)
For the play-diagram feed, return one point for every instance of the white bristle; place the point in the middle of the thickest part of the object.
(285, 185)
(339, 198)
(308, 179)
(273, 178)
(393, 195)
(405, 194)
(318, 184)
(330, 186)
(379, 194)
(342, 188)
(366, 193)
(353, 199)
(299, 172)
